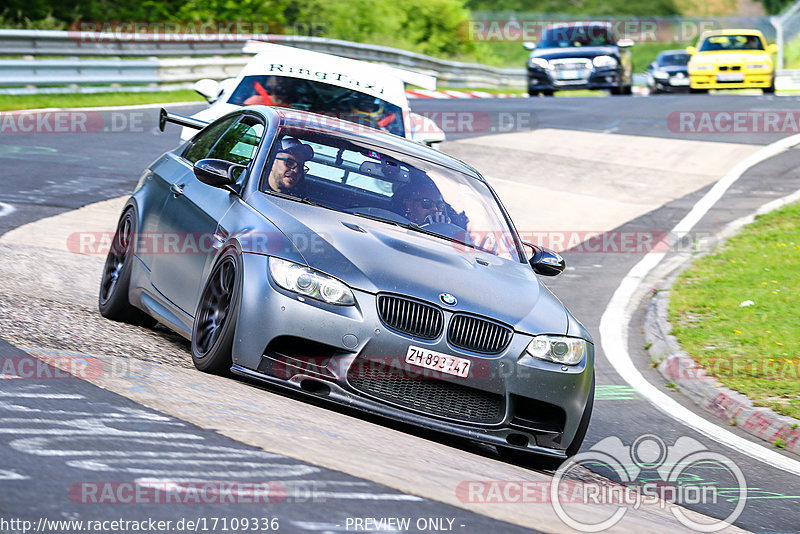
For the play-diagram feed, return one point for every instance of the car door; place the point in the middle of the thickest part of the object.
(189, 223)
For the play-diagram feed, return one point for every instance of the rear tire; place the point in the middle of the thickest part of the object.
(215, 319)
(116, 280)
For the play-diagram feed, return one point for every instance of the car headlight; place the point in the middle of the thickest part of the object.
(758, 66)
(604, 62)
(539, 62)
(558, 349)
(661, 75)
(310, 283)
(702, 67)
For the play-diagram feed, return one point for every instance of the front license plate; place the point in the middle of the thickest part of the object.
(569, 75)
(730, 77)
(679, 81)
(451, 365)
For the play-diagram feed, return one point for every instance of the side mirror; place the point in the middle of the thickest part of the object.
(625, 43)
(546, 262)
(424, 130)
(217, 173)
(208, 89)
(529, 45)
(691, 50)
(653, 65)
(772, 49)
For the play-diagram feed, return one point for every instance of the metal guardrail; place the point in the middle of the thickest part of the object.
(226, 61)
(22, 72)
(32, 43)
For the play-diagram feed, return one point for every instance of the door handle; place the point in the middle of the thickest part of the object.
(177, 189)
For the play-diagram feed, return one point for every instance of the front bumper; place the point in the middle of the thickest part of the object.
(347, 355)
(547, 80)
(712, 80)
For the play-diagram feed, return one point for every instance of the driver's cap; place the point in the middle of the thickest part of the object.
(296, 148)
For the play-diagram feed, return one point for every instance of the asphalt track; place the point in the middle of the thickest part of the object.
(50, 174)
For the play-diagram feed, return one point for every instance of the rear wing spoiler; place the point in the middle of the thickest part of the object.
(165, 116)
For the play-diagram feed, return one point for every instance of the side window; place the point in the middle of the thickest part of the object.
(205, 140)
(239, 143)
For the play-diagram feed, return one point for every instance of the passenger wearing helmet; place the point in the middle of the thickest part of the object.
(369, 111)
(274, 92)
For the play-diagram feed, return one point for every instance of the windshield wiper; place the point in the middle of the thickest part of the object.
(379, 218)
(302, 200)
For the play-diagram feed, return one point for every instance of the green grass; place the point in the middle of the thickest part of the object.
(77, 100)
(791, 54)
(753, 349)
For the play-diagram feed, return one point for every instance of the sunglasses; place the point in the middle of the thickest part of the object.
(292, 163)
(428, 203)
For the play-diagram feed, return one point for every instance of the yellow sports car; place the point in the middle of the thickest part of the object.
(731, 59)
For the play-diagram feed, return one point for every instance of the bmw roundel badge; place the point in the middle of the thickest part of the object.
(448, 299)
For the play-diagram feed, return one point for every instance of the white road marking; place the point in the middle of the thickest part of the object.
(6, 209)
(615, 319)
(307, 489)
(55, 446)
(11, 475)
(23, 395)
(227, 468)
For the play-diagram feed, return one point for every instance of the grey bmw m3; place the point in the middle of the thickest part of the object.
(352, 265)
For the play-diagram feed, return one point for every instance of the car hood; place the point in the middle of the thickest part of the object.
(578, 51)
(673, 69)
(716, 57)
(377, 257)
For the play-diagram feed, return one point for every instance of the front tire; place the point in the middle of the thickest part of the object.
(215, 319)
(116, 280)
(771, 89)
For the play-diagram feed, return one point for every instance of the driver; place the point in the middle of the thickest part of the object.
(276, 93)
(289, 166)
(421, 202)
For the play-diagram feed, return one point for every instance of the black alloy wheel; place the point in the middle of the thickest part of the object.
(115, 282)
(214, 324)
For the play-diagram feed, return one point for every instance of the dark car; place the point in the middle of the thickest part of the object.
(579, 55)
(355, 266)
(669, 73)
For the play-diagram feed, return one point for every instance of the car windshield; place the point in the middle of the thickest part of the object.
(394, 188)
(724, 43)
(673, 60)
(319, 97)
(569, 36)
